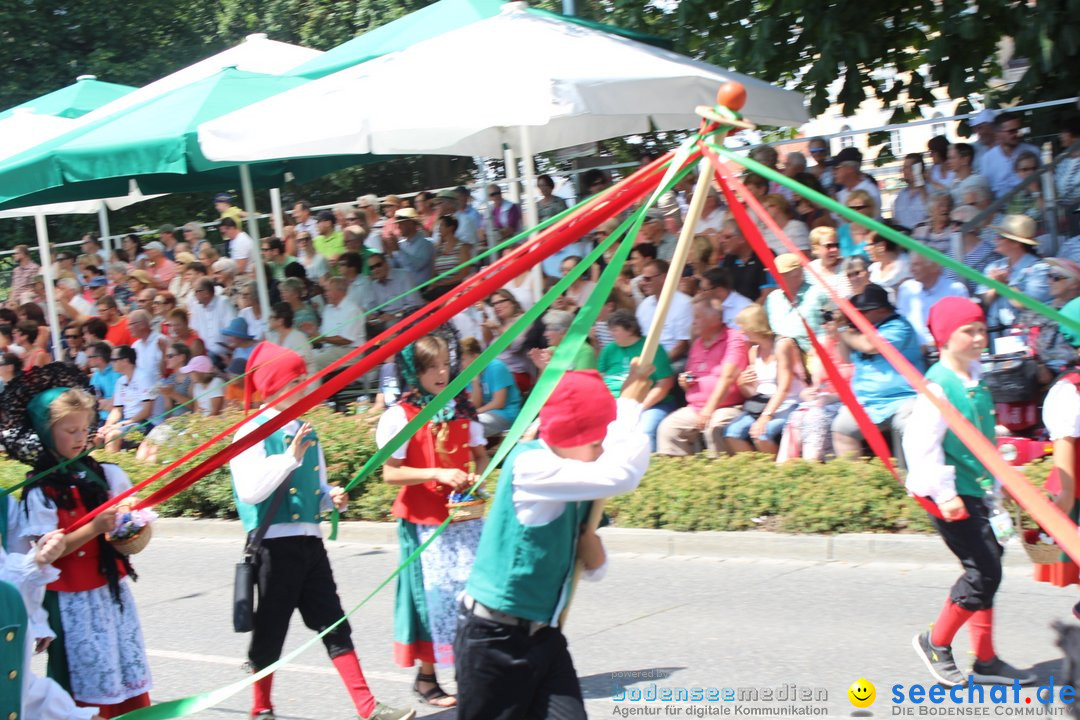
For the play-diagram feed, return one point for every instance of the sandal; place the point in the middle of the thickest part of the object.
(432, 694)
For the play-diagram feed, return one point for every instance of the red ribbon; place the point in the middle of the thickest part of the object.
(597, 210)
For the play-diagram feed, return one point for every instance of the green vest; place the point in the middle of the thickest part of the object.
(975, 404)
(13, 623)
(304, 500)
(523, 570)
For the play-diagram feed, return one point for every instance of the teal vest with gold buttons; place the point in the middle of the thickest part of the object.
(304, 498)
(12, 650)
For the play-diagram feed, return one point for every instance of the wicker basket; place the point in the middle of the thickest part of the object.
(134, 544)
(468, 510)
(1038, 553)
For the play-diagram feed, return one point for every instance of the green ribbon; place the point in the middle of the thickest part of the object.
(898, 237)
(560, 360)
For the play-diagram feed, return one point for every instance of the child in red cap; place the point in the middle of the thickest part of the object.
(942, 468)
(510, 655)
(293, 569)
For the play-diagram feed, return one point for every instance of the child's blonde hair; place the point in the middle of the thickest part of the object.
(70, 402)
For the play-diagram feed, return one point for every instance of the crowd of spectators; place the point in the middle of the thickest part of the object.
(163, 326)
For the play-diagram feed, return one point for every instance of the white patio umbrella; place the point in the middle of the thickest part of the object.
(547, 84)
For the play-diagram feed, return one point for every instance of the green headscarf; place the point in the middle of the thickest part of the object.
(41, 416)
(419, 396)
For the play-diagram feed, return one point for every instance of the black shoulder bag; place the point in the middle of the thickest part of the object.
(247, 569)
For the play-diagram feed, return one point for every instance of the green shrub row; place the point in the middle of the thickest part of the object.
(745, 492)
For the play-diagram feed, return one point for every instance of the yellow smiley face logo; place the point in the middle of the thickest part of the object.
(862, 693)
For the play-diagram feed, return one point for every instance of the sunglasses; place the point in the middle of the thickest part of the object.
(830, 246)
(1026, 169)
(857, 207)
(72, 337)
(499, 301)
(115, 359)
(1056, 277)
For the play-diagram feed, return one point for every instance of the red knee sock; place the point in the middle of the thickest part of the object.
(262, 690)
(981, 628)
(118, 709)
(348, 667)
(949, 622)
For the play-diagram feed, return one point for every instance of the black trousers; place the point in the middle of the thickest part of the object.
(294, 574)
(972, 541)
(503, 673)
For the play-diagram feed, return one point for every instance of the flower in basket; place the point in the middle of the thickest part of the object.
(1035, 536)
(130, 523)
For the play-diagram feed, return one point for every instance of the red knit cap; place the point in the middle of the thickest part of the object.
(270, 368)
(951, 313)
(578, 411)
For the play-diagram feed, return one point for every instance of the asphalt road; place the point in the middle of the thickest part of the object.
(654, 622)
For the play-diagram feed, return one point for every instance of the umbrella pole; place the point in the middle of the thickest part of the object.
(276, 216)
(530, 209)
(50, 291)
(253, 230)
(103, 228)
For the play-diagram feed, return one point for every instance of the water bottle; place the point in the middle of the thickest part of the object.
(1000, 521)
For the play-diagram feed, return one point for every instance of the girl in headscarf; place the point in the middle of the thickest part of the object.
(98, 655)
(432, 466)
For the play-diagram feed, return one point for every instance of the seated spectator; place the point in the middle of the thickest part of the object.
(515, 356)
(701, 257)
(716, 285)
(781, 212)
(809, 429)
(850, 179)
(713, 399)
(601, 334)
(653, 232)
(857, 271)
(180, 331)
(25, 336)
(210, 314)
(241, 344)
(940, 178)
(281, 331)
(1028, 200)
(1052, 350)
(827, 261)
(614, 365)
(785, 319)
(74, 352)
(342, 327)
(916, 296)
(770, 385)
(94, 330)
(162, 303)
(748, 274)
(70, 300)
(161, 269)
(1019, 268)
(675, 333)
(247, 302)
(889, 265)
(305, 319)
(998, 163)
(387, 295)
(882, 391)
(175, 387)
(579, 291)
(274, 257)
(910, 206)
(972, 247)
(412, 251)
(207, 388)
(181, 284)
(962, 165)
(102, 376)
(556, 323)
(810, 213)
(854, 237)
(493, 392)
(133, 399)
(315, 265)
(449, 253)
(1067, 176)
(640, 254)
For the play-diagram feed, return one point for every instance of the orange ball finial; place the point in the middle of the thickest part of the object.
(731, 95)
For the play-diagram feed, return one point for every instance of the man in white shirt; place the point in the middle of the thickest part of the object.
(911, 207)
(241, 246)
(849, 176)
(675, 334)
(916, 296)
(210, 314)
(133, 399)
(654, 232)
(342, 327)
(716, 284)
(71, 301)
(386, 295)
(305, 222)
(983, 125)
(996, 164)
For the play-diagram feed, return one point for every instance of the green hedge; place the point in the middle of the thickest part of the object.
(697, 493)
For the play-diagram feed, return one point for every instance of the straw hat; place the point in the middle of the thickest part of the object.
(407, 214)
(1020, 228)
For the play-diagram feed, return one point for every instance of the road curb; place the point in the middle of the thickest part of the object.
(853, 548)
